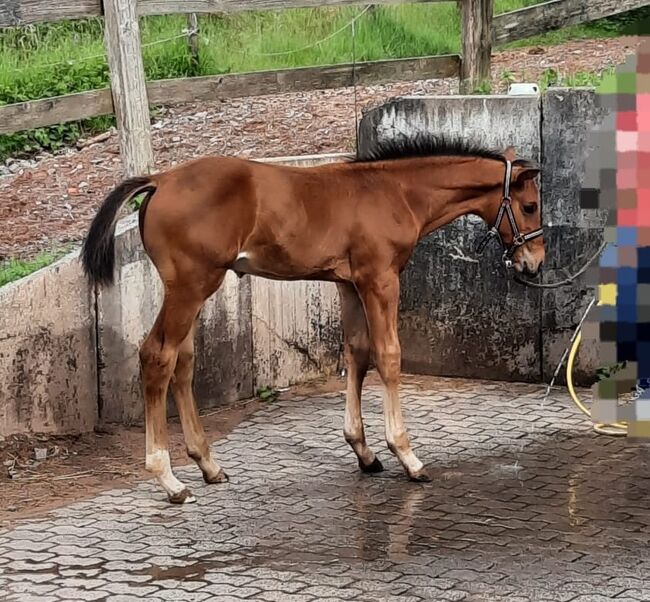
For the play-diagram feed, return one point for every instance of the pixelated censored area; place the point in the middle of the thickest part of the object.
(618, 181)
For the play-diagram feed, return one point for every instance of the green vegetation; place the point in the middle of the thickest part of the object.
(267, 394)
(15, 269)
(51, 59)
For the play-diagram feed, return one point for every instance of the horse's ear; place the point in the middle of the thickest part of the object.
(527, 172)
(510, 153)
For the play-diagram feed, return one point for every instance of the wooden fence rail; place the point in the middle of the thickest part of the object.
(71, 107)
(130, 95)
(556, 14)
(26, 12)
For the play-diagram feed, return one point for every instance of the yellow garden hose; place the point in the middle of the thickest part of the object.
(615, 429)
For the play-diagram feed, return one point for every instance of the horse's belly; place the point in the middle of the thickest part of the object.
(273, 269)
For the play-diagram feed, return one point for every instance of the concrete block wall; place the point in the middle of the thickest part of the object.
(48, 355)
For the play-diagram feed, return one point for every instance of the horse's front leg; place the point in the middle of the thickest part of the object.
(380, 297)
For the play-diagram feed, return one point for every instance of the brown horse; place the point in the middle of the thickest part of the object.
(355, 223)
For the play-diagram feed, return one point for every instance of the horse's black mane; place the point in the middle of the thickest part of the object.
(423, 145)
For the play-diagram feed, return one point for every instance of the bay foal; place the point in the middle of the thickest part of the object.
(354, 223)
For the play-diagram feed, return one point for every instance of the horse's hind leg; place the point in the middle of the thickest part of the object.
(195, 440)
(158, 356)
(357, 359)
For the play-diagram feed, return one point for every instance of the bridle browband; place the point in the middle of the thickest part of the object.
(518, 239)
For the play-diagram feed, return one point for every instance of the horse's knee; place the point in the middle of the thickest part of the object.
(354, 435)
(398, 441)
(156, 362)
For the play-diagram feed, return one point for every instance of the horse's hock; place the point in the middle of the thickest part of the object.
(69, 355)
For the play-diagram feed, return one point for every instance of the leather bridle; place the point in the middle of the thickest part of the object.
(518, 239)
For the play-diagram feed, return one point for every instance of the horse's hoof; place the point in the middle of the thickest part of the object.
(421, 476)
(372, 468)
(183, 497)
(220, 477)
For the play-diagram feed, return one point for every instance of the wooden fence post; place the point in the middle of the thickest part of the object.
(193, 41)
(476, 42)
(122, 37)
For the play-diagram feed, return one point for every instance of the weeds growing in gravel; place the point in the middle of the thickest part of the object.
(14, 269)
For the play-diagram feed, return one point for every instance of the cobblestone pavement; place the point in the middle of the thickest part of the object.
(527, 503)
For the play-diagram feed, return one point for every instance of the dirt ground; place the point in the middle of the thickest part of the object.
(50, 202)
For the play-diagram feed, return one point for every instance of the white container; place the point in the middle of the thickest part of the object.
(523, 89)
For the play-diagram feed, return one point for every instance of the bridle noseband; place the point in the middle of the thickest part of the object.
(518, 239)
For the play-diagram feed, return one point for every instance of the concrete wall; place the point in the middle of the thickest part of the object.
(572, 235)
(48, 358)
(461, 315)
(296, 331)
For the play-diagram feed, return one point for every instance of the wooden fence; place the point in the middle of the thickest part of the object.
(130, 95)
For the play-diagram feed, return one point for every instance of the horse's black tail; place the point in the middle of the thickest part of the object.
(98, 252)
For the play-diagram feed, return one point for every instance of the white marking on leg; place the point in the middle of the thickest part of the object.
(396, 435)
(160, 465)
(243, 255)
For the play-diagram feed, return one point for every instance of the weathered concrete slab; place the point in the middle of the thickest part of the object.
(48, 379)
(571, 119)
(296, 331)
(127, 312)
(460, 315)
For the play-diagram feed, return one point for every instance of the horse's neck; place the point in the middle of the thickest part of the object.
(442, 189)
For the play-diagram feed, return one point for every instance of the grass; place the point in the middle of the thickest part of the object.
(14, 269)
(46, 60)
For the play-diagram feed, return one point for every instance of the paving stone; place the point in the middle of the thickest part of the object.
(230, 590)
(275, 596)
(183, 595)
(130, 589)
(26, 555)
(31, 598)
(32, 588)
(25, 545)
(130, 598)
(69, 593)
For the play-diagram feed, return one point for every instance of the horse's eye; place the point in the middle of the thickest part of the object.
(530, 208)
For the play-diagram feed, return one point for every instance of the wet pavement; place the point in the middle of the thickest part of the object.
(526, 504)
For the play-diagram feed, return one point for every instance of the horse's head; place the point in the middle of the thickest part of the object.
(518, 216)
